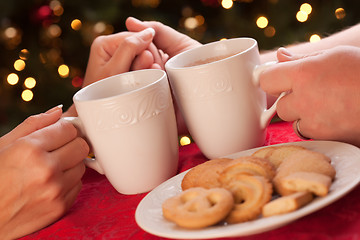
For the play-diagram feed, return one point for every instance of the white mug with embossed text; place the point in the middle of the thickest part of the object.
(217, 91)
(130, 123)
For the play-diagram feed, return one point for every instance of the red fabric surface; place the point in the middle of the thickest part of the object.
(102, 213)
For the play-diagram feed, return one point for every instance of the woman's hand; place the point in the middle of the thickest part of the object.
(41, 169)
(121, 52)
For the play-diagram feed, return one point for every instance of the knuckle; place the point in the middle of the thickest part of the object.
(98, 42)
(33, 155)
(32, 121)
(130, 42)
(30, 148)
(53, 192)
(69, 128)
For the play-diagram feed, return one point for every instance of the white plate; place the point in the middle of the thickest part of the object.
(344, 157)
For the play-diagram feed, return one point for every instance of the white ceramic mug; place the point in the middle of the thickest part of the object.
(130, 123)
(217, 91)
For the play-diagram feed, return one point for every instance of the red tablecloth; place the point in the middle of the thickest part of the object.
(102, 213)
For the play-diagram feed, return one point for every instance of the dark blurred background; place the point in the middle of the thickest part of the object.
(45, 44)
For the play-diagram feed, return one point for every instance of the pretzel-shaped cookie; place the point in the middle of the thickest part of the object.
(198, 207)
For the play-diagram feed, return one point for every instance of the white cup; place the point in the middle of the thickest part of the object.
(130, 123)
(221, 102)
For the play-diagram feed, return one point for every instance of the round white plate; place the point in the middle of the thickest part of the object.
(345, 158)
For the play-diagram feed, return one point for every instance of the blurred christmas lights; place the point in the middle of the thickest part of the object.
(185, 140)
(314, 38)
(24, 54)
(19, 65)
(12, 78)
(269, 31)
(63, 71)
(305, 7)
(76, 24)
(303, 14)
(27, 95)
(262, 22)
(30, 82)
(227, 4)
(340, 13)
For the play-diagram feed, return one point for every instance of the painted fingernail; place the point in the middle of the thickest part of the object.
(60, 106)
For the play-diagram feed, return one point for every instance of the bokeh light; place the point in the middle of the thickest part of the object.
(340, 13)
(27, 95)
(30, 82)
(301, 16)
(12, 78)
(191, 23)
(99, 27)
(19, 65)
(185, 140)
(269, 31)
(76, 24)
(77, 81)
(10, 32)
(227, 4)
(262, 22)
(63, 71)
(24, 54)
(54, 31)
(314, 38)
(306, 7)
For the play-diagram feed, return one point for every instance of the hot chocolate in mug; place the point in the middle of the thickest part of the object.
(217, 91)
(130, 123)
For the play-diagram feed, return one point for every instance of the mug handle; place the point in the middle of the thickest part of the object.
(90, 162)
(268, 113)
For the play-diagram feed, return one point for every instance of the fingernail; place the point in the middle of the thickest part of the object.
(145, 34)
(60, 106)
(151, 30)
(286, 52)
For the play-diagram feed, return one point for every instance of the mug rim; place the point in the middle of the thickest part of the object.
(77, 95)
(170, 63)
